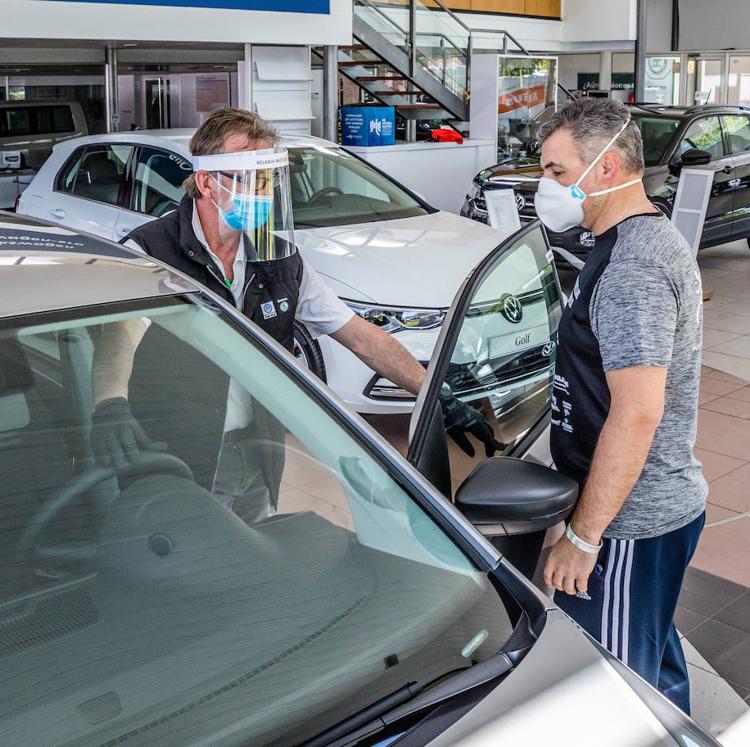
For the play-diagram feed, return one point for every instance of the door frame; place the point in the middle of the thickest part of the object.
(420, 423)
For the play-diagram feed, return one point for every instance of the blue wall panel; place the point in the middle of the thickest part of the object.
(288, 6)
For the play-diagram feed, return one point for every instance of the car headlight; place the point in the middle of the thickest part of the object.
(393, 319)
(474, 191)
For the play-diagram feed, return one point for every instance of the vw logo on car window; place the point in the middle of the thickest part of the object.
(520, 201)
(511, 308)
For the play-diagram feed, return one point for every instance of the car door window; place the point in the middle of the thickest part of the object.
(97, 173)
(157, 186)
(497, 353)
(737, 130)
(704, 134)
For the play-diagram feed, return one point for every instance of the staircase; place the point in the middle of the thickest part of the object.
(415, 55)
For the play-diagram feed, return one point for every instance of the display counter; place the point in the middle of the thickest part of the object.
(439, 172)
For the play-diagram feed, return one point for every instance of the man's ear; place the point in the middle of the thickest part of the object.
(611, 164)
(204, 183)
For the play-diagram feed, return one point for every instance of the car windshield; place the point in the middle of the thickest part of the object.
(140, 606)
(657, 134)
(331, 187)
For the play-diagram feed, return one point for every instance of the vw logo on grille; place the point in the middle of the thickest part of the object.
(520, 201)
(511, 308)
(548, 348)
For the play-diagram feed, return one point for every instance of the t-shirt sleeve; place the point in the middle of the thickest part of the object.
(634, 313)
(322, 311)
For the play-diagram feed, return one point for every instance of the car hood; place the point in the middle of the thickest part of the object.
(417, 262)
(565, 692)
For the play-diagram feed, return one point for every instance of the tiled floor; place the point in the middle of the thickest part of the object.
(714, 611)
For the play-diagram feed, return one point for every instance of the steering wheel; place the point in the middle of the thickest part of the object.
(325, 192)
(148, 462)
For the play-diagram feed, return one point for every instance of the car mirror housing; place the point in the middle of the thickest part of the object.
(506, 496)
(692, 157)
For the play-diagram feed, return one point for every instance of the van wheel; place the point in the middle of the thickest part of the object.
(307, 351)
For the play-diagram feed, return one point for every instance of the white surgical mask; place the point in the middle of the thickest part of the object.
(561, 208)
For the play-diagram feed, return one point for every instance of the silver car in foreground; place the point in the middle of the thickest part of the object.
(135, 608)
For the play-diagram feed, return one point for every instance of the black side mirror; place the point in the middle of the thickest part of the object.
(506, 496)
(692, 157)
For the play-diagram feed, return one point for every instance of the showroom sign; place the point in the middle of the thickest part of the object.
(279, 6)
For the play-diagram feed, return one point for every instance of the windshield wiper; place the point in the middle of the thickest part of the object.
(410, 699)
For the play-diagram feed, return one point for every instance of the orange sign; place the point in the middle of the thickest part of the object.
(522, 98)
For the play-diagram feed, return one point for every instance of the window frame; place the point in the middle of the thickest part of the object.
(133, 170)
(123, 195)
(676, 150)
(727, 141)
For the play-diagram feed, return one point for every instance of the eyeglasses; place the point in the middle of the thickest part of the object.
(263, 180)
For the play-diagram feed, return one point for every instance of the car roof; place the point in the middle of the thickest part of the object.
(685, 111)
(179, 139)
(44, 267)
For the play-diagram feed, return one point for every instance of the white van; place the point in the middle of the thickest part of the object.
(29, 129)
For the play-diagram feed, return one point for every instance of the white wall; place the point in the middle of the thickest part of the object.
(598, 20)
(49, 19)
(714, 25)
(571, 64)
(659, 26)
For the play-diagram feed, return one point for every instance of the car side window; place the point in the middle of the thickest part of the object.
(704, 134)
(159, 175)
(97, 174)
(737, 130)
(504, 356)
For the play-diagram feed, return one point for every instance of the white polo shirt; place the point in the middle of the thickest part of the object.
(318, 307)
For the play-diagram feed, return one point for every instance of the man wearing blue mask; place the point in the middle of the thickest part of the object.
(624, 397)
(234, 233)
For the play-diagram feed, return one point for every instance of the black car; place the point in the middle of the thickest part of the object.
(673, 137)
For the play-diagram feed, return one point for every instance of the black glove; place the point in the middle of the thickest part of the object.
(117, 438)
(461, 419)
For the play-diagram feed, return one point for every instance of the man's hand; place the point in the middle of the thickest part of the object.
(568, 568)
(461, 419)
(117, 438)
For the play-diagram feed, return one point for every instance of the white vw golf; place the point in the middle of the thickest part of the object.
(394, 259)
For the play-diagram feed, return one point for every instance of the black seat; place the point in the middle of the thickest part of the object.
(98, 179)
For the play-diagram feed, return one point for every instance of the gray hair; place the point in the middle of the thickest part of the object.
(592, 124)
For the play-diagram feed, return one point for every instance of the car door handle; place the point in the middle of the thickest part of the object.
(57, 213)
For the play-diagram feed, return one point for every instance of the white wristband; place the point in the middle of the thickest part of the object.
(576, 541)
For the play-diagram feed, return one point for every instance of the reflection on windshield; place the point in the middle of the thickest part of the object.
(138, 605)
(330, 187)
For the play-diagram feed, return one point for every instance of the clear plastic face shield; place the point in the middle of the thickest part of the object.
(254, 200)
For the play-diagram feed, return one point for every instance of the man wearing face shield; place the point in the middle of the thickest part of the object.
(234, 233)
(625, 396)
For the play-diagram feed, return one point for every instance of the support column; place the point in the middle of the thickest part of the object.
(640, 51)
(330, 92)
(605, 70)
(245, 80)
(111, 91)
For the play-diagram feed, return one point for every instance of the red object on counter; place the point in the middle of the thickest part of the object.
(447, 136)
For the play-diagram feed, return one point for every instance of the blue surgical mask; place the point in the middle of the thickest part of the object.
(247, 214)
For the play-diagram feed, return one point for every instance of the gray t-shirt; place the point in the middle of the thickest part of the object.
(645, 309)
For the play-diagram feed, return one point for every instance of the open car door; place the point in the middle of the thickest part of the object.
(496, 352)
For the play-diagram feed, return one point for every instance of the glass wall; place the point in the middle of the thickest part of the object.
(738, 80)
(663, 80)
